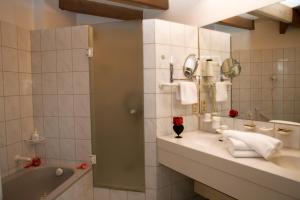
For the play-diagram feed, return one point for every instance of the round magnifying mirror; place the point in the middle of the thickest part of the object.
(231, 68)
(190, 65)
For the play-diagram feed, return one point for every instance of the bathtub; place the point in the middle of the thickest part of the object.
(39, 183)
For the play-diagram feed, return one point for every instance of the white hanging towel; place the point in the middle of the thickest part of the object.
(221, 91)
(187, 93)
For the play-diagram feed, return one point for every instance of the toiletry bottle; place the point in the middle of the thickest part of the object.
(35, 136)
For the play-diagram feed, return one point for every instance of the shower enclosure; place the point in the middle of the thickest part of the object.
(117, 105)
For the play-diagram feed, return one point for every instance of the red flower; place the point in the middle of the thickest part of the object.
(233, 113)
(177, 121)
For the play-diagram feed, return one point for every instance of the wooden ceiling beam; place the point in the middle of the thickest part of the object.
(100, 9)
(283, 27)
(239, 22)
(296, 18)
(150, 4)
(277, 12)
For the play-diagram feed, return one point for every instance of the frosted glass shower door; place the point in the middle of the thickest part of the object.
(117, 105)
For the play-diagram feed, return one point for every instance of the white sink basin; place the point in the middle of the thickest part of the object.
(289, 162)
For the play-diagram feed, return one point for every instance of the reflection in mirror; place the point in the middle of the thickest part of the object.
(190, 66)
(230, 68)
(268, 87)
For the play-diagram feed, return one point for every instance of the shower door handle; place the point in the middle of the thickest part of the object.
(132, 111)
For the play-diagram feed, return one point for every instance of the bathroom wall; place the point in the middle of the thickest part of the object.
(213, 45)
(61, 102)
(18, 12)
(203, 12)
(264, 53)
(163, 39)
(16, 113)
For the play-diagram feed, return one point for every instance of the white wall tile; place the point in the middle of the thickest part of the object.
(52, 148)
(49, 61)
(63, 38)
(26, 106)
(149, 31)
(80, 37)
(136, 196)
(149, 56)
(10, 59)
(149, 106)
(149, 80)
(150, 130)
(65, 105)
(50, 103)
(83, 150)
(24, 61)
(12, 107)
(191, 36)
(35, 37)
(65, 83)
(51, 127)
(11, 83)
(83, 128)
(81, 82)
(36, 62)
(48, 39)
(49, 83)
(64, 61)
(82, 105)
(23, 41)
(67, 127)
(118, 195)
(101, 193)
(162, 32)
(80, 60)
(25, 81)
(13, 131)
(67, 149)
(150, 154)
(177, 34)
(163, 105)
(9, 35)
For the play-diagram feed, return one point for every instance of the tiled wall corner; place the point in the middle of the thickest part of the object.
(60, 73)
(16, 112)
(163, 39)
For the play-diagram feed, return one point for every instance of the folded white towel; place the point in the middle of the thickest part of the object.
(237, 145)
(243, 154)
(264, 145)
(187, 93)
(221, 91)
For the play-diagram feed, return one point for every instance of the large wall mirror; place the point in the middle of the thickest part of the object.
(267, 46)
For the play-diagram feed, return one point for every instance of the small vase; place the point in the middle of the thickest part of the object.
(178, 130)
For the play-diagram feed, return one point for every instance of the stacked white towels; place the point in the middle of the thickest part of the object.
(187, 93)
(263, 145)
(240, 149)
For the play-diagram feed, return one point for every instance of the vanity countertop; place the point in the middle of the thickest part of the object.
(202, 147)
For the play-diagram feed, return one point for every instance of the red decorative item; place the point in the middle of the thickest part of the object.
(177, 121)
(233, 113)
(82, 166)
(178, 127)
(35, 162)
